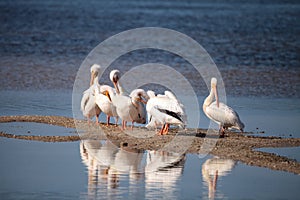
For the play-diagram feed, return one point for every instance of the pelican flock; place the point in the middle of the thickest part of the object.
(162, 109)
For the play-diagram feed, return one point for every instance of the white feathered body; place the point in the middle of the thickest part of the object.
(88, 105)
(165, 109)
(223, 115)
(104, 102)
(126, 109)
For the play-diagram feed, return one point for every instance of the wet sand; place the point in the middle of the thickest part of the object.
(236, 146)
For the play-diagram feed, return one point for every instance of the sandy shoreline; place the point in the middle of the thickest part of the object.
(239, 147)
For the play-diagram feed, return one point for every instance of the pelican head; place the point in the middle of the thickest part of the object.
(95, 68)
(213, 84)
(95, 71)
(241, 126)
(115, 77)
(139, 95)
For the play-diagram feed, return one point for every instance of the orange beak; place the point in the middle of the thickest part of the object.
(106, 93)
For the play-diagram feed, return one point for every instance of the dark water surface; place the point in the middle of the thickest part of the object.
(255, 45)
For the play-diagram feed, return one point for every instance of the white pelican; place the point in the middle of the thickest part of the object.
(128, 108)
(98, 96)
(103, 100)
(88, 106)
(222, 114)
(165, 110)
(138, 95)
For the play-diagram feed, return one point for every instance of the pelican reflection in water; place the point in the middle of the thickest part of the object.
(106, 164)
(212, 170)
(163, 171)
(109, 165)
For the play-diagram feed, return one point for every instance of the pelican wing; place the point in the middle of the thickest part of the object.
(123, 106)
(170, 95)
(104, 102)
(223, 114)
(85, 99)
(173, 114)
(165, 110)
(88, 104)
(170, 105)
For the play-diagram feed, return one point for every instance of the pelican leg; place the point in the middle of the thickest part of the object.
(123, 125)
(107, 120)
(155, 126)
(166, 129)
(222, 131)
(161, 130)
(88, 119)
(97, 119)
(116, 120)
(132, 124)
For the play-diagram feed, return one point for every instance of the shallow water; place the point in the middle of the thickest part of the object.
(70, 170)
(75, 171)
(290, 152)
(35, 170)
(32, 129)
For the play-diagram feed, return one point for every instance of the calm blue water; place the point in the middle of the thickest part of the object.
(290, 152)
(95, 170)
(35, 170)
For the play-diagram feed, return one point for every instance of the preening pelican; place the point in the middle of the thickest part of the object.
(88, 104)
(165, 110)
(140, 98)
(103, 100)
(128, 107)
(222, 114)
